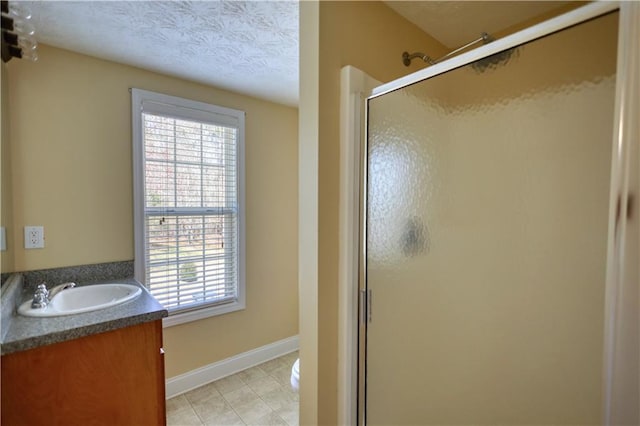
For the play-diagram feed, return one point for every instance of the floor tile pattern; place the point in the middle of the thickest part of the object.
(261, 395)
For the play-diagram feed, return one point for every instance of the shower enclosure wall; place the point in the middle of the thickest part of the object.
(487, 193)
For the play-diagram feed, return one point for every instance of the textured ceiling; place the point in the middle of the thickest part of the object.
(248, 47)
(455, 23)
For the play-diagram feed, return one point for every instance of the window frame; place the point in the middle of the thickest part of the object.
(181, 108)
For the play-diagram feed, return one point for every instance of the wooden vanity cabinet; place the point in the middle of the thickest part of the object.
(112, 378)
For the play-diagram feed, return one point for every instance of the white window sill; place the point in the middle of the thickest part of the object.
(203, 313)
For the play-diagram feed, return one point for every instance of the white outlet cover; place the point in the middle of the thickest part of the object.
(33, 237)
(3, 239)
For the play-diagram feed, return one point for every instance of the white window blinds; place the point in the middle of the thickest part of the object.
(191, 204)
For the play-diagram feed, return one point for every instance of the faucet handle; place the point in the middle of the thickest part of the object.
(40, 297)
(42, 288)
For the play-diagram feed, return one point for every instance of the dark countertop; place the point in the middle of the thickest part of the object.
(24, 333)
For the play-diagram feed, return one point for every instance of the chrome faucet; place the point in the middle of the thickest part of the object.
(57, 289)
(42, 297)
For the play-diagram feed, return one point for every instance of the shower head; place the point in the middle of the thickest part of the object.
(490, 62)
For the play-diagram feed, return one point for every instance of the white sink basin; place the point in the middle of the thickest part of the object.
(83, 299)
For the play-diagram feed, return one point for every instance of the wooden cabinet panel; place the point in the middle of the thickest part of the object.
(112, 378)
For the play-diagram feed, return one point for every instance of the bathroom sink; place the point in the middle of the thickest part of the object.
(83, 299)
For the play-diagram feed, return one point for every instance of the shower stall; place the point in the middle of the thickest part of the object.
(485, 233)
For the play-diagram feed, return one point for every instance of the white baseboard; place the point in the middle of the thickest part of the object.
(177, 385)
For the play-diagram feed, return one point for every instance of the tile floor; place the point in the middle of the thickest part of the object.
(261, 395)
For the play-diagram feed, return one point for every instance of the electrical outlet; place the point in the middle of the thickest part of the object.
(33, 237)
(3, 239)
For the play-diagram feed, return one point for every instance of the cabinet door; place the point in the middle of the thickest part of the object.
(112, 378)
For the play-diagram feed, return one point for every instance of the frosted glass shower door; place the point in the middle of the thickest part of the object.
(486, 233)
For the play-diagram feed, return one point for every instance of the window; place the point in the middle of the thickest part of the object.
(188, 204)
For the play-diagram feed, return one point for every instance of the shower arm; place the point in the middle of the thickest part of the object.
(407, 57)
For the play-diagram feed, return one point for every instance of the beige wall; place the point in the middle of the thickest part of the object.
(308, 212)
(71, 149)
(6, 216)
(372, 37)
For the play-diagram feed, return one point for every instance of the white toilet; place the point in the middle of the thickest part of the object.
(295, 374)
